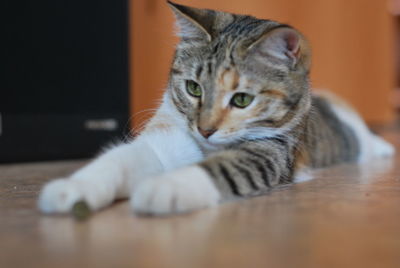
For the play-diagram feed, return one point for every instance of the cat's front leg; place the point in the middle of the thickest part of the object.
(242, 172)
(107, 178)
(183, 190)
(115, 173)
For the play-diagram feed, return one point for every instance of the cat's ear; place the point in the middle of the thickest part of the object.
(283, 45)
(193, 23)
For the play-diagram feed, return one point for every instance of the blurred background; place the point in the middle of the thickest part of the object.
(78, 74)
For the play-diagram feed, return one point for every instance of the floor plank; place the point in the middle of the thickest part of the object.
(349, 216)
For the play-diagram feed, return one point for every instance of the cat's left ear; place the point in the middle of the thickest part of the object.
(199, 24)
(193, 23)
(282, 46)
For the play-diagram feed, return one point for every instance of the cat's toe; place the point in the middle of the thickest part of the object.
(177, 192)
(58, 196)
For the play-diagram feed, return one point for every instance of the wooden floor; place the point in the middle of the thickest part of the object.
(349, 216)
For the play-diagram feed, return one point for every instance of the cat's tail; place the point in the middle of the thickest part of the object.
(380, 147)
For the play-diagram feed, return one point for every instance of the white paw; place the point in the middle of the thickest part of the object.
(59, 196)
(180, 191)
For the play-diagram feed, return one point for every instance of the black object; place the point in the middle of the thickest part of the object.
(81, 211)
(64, 88)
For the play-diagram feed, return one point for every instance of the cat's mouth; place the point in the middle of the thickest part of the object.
(214, 142)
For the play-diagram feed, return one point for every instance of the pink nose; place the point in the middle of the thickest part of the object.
(206, 133)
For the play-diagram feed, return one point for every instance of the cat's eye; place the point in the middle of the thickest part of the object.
(193, 88)
(241, 100)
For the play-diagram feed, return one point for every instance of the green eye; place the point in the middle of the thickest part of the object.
(241, 100)
(193, 88)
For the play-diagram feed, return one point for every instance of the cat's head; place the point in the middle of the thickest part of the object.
(235, 77)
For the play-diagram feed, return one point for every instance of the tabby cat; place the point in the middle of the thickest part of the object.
(236, 119)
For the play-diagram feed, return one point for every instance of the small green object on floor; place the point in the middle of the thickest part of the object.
(81, 210)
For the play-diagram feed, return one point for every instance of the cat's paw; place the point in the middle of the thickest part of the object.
(180, 191)
(59, 196)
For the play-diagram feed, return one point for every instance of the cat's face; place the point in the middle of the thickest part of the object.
(237, 78)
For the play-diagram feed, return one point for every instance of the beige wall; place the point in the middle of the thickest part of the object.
(352, 41)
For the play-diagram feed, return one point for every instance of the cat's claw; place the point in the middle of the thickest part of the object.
(59, 196)
(180, 191)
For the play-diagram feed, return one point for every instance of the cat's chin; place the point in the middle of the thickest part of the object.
(206, 145)
(209, 144)
(212, 145)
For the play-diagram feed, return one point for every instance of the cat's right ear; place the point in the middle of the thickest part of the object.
(282, 46)
(193, 23)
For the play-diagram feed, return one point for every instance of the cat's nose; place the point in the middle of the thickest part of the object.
(206, 133)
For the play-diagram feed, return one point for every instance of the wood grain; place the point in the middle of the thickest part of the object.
(348, 216)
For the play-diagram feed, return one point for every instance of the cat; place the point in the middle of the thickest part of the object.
(237, 118)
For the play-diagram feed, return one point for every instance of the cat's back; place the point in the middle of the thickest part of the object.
(336, 133)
